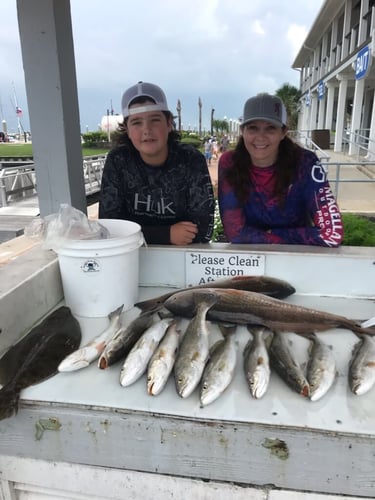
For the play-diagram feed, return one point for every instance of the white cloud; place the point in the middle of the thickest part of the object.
(258, 28)
(296, 35)
(221, 51)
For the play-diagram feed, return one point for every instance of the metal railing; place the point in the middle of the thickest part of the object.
(367, 168)
(339, 177)
(361, 143)
(19, 181)
(16, 182)
(303, 138)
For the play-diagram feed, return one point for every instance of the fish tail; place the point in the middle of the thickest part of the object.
(9, 396)
(227, 328)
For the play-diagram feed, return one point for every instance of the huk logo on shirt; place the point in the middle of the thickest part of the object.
(146, 204)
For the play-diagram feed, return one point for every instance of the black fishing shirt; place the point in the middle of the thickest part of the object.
(158, 197)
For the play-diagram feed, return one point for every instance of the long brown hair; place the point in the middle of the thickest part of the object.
(286, 167)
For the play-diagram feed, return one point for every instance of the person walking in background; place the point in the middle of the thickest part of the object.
(153, 179)
(208, 151)
(270, 189)
(224, 143)
(215, 148)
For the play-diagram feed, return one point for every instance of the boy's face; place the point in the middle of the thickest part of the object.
(148, 132)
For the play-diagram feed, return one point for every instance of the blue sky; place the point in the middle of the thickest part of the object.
(220, 51)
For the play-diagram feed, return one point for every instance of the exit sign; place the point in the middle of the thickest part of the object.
(362, 63)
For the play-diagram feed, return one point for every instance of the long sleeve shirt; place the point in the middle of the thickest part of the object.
(309, 216)
(158, 197)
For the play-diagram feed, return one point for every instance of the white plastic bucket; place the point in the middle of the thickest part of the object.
(98, 276)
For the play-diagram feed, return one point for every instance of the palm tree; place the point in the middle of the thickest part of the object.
(290, 96)
(220, 126)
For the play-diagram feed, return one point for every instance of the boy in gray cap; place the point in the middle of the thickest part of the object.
(154, 180)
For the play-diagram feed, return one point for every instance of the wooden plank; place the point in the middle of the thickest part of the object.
(237, 452)
(15, 247)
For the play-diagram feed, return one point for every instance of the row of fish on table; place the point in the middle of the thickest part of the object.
(155, 343)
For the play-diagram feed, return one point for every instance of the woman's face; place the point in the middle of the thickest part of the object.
(149, 132)
(262, 141)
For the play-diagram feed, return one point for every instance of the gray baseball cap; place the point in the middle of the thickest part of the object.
(144, 89)
(265, 107)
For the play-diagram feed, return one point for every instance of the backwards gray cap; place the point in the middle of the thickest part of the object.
(265, 107)
(143, 89)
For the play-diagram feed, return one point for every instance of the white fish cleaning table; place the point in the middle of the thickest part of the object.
(86, 418)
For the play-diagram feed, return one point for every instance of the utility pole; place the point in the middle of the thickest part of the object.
(212, 121)
(200, 116)
(179, 114)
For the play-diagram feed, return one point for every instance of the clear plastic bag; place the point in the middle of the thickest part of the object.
(68, 224)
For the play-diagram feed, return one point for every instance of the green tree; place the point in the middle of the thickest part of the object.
(290, 96)
(220, 126)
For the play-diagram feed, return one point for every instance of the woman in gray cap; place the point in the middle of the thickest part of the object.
(270, 189)
(153, 179)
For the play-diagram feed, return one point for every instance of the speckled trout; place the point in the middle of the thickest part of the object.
(82, 357)
(256, 361)
(194, 348)
(362, 366)
(219, 370)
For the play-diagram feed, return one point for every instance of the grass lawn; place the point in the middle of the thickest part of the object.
(11, 150)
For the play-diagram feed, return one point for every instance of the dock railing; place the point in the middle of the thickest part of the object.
(17, 182)
(18, 178)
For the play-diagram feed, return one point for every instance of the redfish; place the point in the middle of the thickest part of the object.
(267, 285)
(242, 307)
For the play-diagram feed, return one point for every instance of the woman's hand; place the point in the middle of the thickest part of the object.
(183, 233)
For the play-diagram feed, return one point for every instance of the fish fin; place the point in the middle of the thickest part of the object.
(369, 322)
(214, 346)
(208, 297)
(116, 312)
(308, 335)
(163, 313)
(9, 397)
(268, 336)
(247, 348)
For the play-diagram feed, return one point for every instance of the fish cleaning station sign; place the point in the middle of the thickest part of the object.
(202, 267)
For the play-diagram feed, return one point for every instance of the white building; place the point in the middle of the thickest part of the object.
(337, 76)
